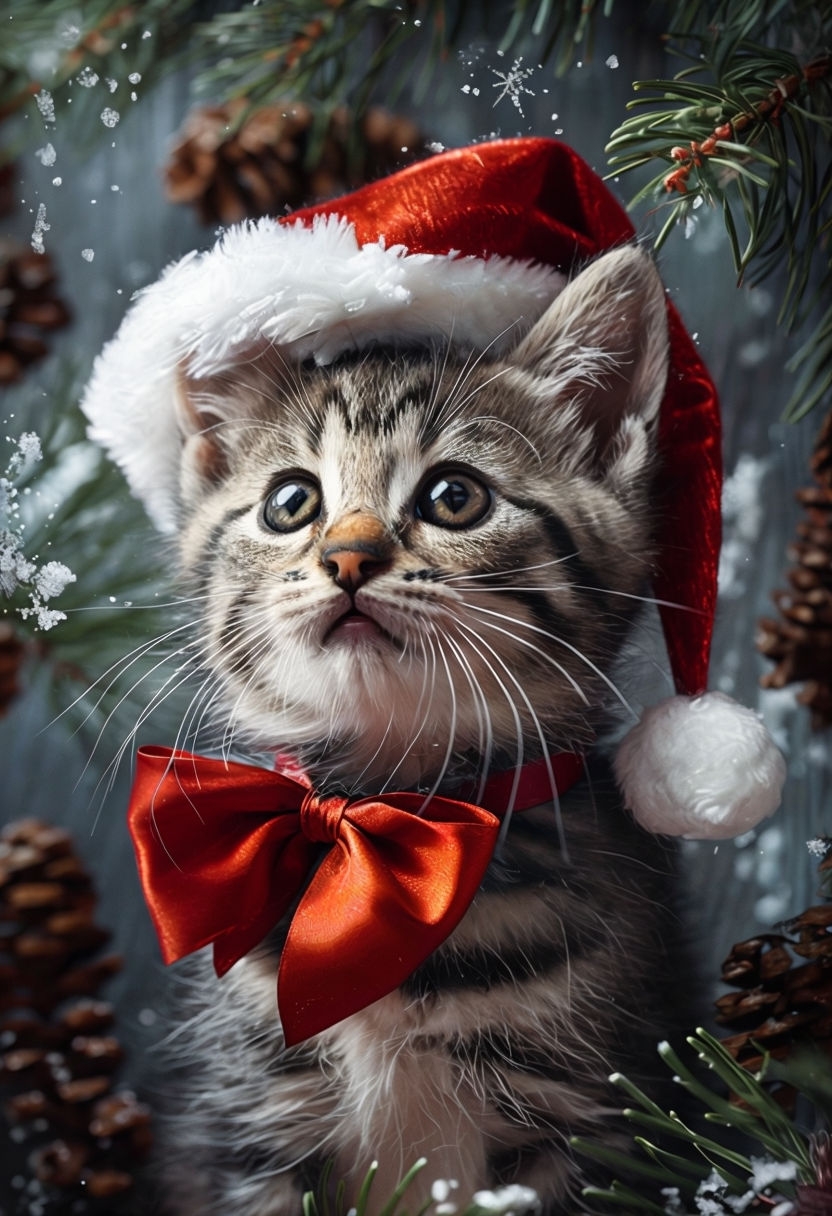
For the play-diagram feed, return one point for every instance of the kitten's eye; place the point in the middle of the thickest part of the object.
(453, 499)
(292, 504)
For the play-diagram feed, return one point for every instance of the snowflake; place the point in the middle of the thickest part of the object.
(40, 227)
(46, 104)
(510, 83)
(819, 846)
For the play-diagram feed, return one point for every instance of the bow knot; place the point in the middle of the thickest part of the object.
(320, 818)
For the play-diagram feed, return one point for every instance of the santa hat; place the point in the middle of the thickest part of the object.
(461, 246)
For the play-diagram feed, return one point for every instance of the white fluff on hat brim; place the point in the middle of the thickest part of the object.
(313, 292)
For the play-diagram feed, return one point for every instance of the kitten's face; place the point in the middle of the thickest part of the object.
(409, 560)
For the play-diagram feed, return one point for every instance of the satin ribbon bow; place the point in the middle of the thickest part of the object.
(225, 849)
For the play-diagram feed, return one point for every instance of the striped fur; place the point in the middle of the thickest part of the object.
(497, 642)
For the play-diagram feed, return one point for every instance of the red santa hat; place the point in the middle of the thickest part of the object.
(471, 245)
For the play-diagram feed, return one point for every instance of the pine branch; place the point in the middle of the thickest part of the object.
(707, 1172)
(325, 51)
(95, 636)
(748, 129)
(99, 55)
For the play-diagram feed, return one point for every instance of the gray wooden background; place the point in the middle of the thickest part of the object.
(735, 887)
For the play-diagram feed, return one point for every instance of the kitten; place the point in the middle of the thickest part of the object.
(417, 566)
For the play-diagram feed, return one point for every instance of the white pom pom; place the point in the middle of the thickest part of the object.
(701, 767)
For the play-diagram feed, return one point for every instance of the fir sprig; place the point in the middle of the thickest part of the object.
(731, 1100)
(73, 506)
(505, 1201)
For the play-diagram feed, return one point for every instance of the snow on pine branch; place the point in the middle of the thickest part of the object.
(42, 582)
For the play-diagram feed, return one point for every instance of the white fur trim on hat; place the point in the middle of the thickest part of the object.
(701, 767)
(312, 292)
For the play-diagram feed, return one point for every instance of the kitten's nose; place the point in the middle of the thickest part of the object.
(356, 548)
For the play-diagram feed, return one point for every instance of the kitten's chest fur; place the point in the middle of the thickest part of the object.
(486, 1061)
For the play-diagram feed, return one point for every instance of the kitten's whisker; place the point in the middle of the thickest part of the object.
(416, 713)
(191, 726)
(255, 643)
(112, 768)
(627, 595)
(384, 737)
(503, 573)
(452, 730)
(515, 713)
(195, 644)
(458, 406)
(460, 427)
(469, 366)
(568, 646)
(437, 374)
(484, 725)
(536, 649)
(119, 668)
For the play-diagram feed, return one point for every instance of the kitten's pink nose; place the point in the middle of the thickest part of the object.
(355, 549)
(352, 567)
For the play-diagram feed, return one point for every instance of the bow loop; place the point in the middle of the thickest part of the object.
(320, 818)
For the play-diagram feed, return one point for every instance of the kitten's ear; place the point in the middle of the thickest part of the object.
(603, 345)
(200, 424)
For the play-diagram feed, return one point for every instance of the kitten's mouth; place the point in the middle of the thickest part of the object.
(355, 626)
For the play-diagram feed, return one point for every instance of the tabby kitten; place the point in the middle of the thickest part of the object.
(417, 567)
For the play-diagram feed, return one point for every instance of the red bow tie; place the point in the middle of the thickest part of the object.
(225, 849)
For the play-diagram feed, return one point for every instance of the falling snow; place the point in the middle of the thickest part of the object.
(28, 449)
(511, 85)
(46, 104)
(87, 78)
(52, 579)
(88, 254)
(612, 62)
(40, 227)
(819, 846)
(17, 569)
(110, 117)
(47, 154)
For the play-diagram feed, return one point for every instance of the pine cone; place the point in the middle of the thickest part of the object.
(82, 1138)
(232, 167)
(782, 1002)
(800, 642)
(28, 305)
